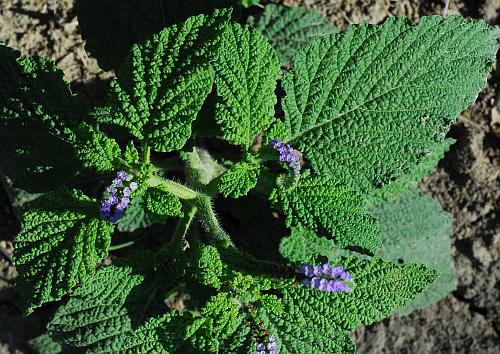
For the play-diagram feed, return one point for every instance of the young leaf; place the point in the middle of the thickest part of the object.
(59, 245)
(315, 321)
(160, 204)
(239, 179)
(354, 99)
(134, 217)
(289, 29)
(416, 229)
(162, 85)
(43, 133)
(245, 76)
(44, 344)
(320, 204)
(94, 318)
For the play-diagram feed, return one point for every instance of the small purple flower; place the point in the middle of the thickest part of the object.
(287, 154)
(117, 182)
(121, 174)
(126, 192)
(326, 278)
(112, 207)
(261, 348)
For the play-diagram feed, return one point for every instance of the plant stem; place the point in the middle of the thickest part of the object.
(215, 232)
(127, 244)
(172, 248)
(175, 188)
(146, 152)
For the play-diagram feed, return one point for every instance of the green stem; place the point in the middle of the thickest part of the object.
(172, 248)
(127, 244)
(175, 188)
(215, 232)
(146, 152)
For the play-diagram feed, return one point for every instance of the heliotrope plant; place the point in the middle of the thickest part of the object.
(190, 126)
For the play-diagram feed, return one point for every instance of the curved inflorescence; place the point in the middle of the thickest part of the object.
(117, 197)
(270, 348)
(287, 154)
(327, 278)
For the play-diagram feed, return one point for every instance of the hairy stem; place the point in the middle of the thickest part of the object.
(175, 188)
(215, 232)
(146, 152)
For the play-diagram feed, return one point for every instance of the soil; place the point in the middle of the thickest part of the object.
(466, 181)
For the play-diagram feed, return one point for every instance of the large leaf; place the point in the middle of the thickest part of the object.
(43, 133)
(366, 106)
(94, 319)
(245, 75)
(110, 30)
(164, 82)
(331, 209)
(416, 229)
(315, 321)
(289, 29)
(59, 245)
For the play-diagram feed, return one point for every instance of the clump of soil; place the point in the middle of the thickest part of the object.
(466, 182)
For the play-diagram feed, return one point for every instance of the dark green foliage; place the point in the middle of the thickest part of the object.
(321, 204)
(164, 82)
(60, 242)
(110, 30)
(416, 229)
(290, 29)
(44, 344)
(44, 135)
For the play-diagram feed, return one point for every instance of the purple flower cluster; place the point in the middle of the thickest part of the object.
(326, 278)
(287, 154)
(116, 198)
(269, 349)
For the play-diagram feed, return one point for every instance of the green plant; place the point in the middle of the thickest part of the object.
(367, 110)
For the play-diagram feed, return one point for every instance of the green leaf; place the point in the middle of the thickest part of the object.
(164, 82)
(245, 76)
(322, 205)
(239, 179)
(110, 31)
(134, 217)
(60, 242)
(131, 155)
(202, 168)
(249, 3)
(44, 344)
(303, 246)
(43, 134)
(289, 29)
(410, 181)
(209, 267)
(315, 321)
(94, 319)
(160, 204)
(416, 229)
(353, 100)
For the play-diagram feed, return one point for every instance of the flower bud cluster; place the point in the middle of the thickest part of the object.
(270, 348)
(327, 278)
(287, 154)
(117, 197)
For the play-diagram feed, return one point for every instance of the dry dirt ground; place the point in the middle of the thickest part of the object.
(466, 182)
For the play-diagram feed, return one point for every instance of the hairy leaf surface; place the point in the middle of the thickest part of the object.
(314, 321)
(289, 29)
(416, 229)
(245, 75)
(164, 82)
(353, 100)
(326, 207)
(160, 204)
(59, 245)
